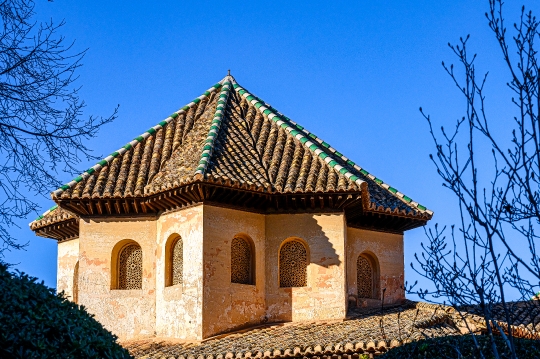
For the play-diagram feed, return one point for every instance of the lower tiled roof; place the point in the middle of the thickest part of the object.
(53, 216)
(365, 331)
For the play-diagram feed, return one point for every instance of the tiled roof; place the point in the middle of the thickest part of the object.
(363, 332)
(59, 220)
(227, 136)
(366, 331)
(52, 216)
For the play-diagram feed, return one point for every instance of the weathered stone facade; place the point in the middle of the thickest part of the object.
(146, 236)
(207, 303)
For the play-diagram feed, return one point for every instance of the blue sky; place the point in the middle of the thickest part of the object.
(354, 73)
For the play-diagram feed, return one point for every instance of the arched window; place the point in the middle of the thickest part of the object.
(366, 276)
(130, 267)
(174, 260)
(293, 262)
(242, 261)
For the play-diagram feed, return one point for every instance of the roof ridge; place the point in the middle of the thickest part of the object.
(135, 141)
(208, 148)
(268, 110)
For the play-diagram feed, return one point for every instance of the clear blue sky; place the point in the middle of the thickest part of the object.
(354, 73)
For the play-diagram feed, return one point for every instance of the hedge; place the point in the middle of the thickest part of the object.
(35, 322)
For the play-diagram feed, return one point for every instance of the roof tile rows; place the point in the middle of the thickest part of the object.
(366, 332)
(229, 135)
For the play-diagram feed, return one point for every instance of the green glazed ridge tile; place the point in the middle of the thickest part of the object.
(174, 116)
(393, 190)
(423, 208)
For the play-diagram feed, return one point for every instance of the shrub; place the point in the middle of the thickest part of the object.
(462, 347)
(37, 323)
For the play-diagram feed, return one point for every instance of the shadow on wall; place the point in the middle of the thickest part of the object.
(289, 290)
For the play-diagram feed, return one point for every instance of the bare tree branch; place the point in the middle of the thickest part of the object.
(42, 131)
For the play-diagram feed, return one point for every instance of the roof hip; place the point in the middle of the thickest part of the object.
(215, 125)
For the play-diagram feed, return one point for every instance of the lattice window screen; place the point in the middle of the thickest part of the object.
(364, 278)
(241, 261)
(177, 267)
(293, 265)
(130, 267)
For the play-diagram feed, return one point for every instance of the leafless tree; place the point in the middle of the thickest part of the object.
(42, 132)
(492, 251)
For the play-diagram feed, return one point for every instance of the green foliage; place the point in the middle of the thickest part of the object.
(462, 347)
(37, 323)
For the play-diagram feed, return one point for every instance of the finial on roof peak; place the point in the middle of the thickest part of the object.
(228, 72)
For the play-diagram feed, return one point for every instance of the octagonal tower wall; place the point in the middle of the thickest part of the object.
(127, 313)
(228, 305)
(179, 306)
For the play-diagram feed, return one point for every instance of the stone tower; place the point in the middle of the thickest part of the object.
(224, 215)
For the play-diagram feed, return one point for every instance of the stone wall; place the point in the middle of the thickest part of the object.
(324, 296)
(68, 257)
(127, 313)
(179, 307)
(231, 305)
(207, 302)
(387, 251)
